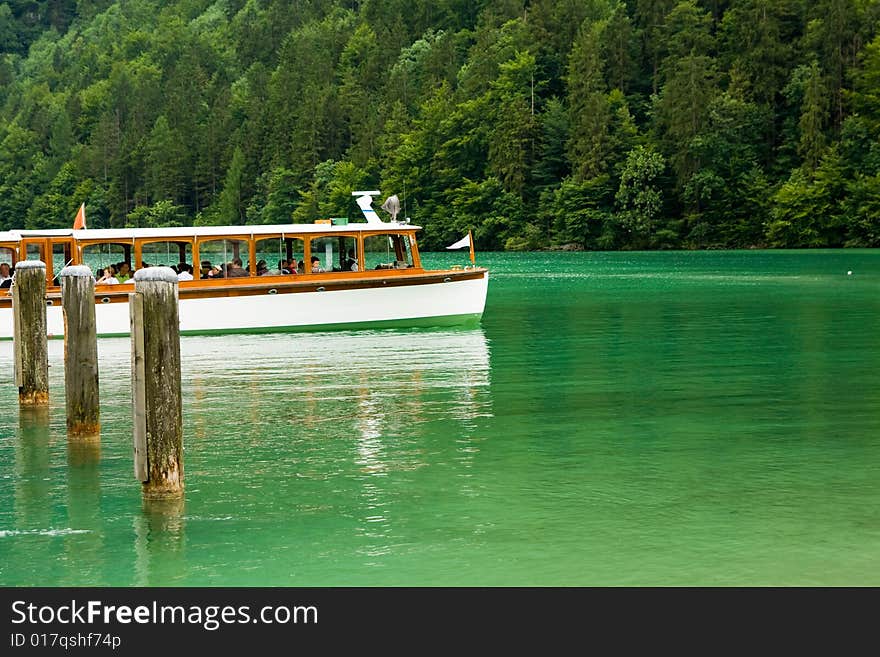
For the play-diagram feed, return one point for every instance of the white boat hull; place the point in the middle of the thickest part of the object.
(441, 303)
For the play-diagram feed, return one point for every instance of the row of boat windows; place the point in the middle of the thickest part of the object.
(230, 258)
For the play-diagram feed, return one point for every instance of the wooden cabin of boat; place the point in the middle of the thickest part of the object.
(386, 251)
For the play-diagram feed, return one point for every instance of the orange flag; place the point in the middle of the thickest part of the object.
(80, 221)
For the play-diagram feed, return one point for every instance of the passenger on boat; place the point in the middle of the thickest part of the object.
(316, 265)
(263, 269)
(211, 271)
(184, 272)
(350, 263)
(300, 267)
(108, 276)
(123, 272)
(235, 270)
(5, 275)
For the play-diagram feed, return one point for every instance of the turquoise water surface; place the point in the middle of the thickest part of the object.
(681, 418)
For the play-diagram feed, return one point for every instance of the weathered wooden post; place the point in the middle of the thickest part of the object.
(80, 352)
(155, 379)
(31, 342)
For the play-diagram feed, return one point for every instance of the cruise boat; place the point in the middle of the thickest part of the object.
(328, 275)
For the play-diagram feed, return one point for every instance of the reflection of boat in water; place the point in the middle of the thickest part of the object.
(359, 275)
(396, 365)
(372, 382)
(324, 379)
(381, 358)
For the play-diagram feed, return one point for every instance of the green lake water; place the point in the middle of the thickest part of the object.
(697, 418)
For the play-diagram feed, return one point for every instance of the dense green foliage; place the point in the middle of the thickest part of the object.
(596, 124)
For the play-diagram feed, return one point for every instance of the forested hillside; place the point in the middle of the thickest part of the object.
(595, 124)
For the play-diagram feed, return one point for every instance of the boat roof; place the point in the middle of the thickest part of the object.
(204, 231)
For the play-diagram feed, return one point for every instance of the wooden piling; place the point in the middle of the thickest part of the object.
(80, 352)
(156, 395)
(16, 340)
(31, 342)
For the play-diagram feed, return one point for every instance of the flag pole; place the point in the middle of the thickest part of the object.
(471, 240)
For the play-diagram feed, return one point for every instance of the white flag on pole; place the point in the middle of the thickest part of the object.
(463, 242)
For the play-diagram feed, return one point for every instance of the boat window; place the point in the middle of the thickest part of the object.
(166, 254)
(7, 260)
(224, 258)
(7, 255)
(61, 257)
(335, 253)
(99, 256)
(388, 251)
(275, 254)
(34, 251)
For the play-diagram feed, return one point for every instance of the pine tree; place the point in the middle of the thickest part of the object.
(588, 106)
(512, 145)
(165, 161)
(231, 209)
(813, 117)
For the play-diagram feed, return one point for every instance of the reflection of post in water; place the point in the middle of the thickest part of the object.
(32, 480)
(84, 455)
(159, 542)
(84, 551)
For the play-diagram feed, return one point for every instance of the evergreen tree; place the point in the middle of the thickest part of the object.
(231, 205)
(552, 164)
(650, 16)
(813, 114)
(515, 128)
(165, 162)
(588, 110)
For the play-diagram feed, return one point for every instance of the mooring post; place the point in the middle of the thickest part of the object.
(80, 352)
(155, 379)
(31, 341)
